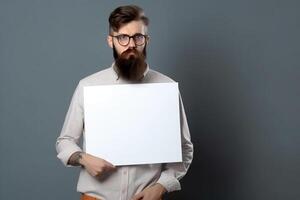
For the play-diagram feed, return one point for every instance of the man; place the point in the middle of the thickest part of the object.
(98, 178)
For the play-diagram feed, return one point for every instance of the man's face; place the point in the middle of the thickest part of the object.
(130, 29)
(129, 59)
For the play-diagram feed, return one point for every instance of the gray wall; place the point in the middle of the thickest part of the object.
(237, 63)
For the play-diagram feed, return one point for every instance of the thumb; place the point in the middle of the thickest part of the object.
(138, 196)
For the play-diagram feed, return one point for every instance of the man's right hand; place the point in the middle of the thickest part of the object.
(95, 166)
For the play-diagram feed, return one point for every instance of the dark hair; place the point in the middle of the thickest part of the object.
(125, 14)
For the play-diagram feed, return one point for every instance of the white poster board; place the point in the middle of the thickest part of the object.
(129, 124)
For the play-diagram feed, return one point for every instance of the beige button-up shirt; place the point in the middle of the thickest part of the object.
(126, 181)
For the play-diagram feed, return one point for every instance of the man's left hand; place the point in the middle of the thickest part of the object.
(154, 192)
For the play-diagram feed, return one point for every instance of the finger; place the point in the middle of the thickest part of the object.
(109, 165)
(98, 174)
(138, 196)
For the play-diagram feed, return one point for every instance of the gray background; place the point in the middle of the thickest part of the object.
(237, 63)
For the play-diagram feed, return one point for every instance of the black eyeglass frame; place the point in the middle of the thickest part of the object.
(146, 38)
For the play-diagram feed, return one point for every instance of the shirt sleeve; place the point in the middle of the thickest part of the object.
(173, 172)
(68, 141)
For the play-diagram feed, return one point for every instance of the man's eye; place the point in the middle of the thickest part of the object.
(138, 36)
(123, 37)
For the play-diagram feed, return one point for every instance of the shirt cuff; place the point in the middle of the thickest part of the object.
(66, 154)
(169, 182)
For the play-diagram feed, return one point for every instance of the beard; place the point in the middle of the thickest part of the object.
(131, 64)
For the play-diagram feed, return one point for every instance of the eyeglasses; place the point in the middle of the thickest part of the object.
(138, 38)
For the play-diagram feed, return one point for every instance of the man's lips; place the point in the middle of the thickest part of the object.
(130, 54)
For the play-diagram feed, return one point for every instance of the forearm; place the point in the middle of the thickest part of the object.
(68, 141)
(173, 172)
(76, 159)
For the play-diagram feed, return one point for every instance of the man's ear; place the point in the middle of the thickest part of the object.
(109, 41)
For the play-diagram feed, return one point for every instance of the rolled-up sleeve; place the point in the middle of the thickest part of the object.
(68, 141)
(173, 172)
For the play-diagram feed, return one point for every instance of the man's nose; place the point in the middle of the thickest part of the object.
(131, 43)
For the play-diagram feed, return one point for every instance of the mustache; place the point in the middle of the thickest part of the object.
(117, 56)
(131, 53)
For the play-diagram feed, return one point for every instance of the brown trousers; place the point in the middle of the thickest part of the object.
(87, 197)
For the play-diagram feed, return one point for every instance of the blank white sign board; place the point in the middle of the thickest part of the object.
(129, 124)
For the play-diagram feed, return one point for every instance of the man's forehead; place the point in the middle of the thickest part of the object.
(132, 28)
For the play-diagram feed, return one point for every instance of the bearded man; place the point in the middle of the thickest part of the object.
(98, 178)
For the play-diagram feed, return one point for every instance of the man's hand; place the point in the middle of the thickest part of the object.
(154, 192)
(95, 166)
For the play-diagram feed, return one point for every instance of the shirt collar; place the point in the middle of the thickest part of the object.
(113, 66)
